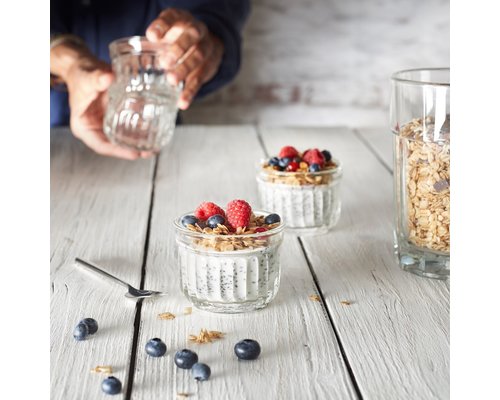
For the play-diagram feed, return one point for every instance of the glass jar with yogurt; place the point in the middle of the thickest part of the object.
(230, 273)
(308, 202)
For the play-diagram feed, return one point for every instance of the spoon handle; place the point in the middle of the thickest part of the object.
(91, 267)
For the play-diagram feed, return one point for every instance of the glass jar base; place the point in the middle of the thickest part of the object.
(425, 264)
(229, 308)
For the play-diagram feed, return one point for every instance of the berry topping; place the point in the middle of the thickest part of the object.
(260, 229)
(283, 163)
(91, 324)
(185, 358)
(238, 213)
(156, 348)
(292, 167)
(247, 349)
(327, 155)
(111, 385)
(189, 220)
(201, 372)
(81, 331)
(274, 161)
(215, 220)
(314, 168)
(206, 209)
(272, 219)
(289, 152)
(297, 159)
(314, 156)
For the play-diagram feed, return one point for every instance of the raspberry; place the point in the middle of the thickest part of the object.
(314, 156)
(238, 213)
(206, 209)
(288, 152)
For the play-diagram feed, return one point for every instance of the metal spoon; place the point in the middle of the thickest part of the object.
(132, 293)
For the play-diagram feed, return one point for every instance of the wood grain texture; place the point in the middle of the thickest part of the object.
(300, 356)
(380, 142)
(395, 332)
(99, 212)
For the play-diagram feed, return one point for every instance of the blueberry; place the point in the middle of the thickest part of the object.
(314, 168)
(247, 349)
(156, 348)
(272, 219)
(81, 331)
(189, 220)
(274, 162)
(327, 155)
(214, 220)
(111, 385)
(185, 358)
(283, 163)
(91, 324)
(201, 372)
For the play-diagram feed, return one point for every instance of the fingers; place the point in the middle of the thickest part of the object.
(180, 30)
(194, 58)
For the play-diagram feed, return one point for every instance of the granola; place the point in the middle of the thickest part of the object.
(225, 240)
(166, 316)
(106, 369)
(206, 336)
(427, 180)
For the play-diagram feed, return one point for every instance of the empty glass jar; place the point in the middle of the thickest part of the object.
(420, 121)
(142, 107)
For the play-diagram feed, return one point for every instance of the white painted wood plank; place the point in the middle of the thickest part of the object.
(99, 211)
(396, 332)
(380, 141)
(300, 357)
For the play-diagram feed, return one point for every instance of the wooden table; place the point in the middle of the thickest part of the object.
(377, 333)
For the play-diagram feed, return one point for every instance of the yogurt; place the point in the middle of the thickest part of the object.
(233, 281)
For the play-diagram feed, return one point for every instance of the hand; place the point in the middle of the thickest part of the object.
(88, 80)
(195, 54)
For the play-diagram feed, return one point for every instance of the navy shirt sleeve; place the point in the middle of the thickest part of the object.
(99, 22)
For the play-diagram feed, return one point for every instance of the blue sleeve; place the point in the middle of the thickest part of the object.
(225, 19)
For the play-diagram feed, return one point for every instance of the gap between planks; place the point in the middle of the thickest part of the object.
(318, 289)
(138, 307)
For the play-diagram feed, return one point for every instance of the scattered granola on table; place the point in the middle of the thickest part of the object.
(206, 336)
(314, 297)
(428, 183)
(106, 369)
(166, 316)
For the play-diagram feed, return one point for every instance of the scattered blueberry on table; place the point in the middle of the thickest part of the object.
(91, 324)
(155, 347)
(247, 349)
(185, 358)
(81, 332)
(111, 385)
(201, 372)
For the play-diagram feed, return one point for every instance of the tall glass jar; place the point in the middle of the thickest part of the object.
(420, 121)
(142, 107)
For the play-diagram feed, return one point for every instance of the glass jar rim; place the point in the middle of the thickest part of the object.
(335, 172)
(135, 45)
(398, 76)
(182, 229)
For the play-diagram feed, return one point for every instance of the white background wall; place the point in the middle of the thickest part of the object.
(327, 62)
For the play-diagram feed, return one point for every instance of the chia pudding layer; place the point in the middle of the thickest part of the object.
(230, 278)
(243, 278)
(306, 206)
(308, 202)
